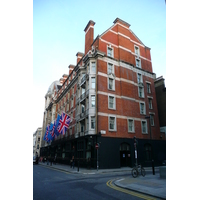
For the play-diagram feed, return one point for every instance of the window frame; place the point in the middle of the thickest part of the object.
(141, 87)
(150, 101)
(138, 48)
(115, 125)
(114, 102)
(143, 103)
(148, 88)
(111, 78)
(93, 101)
(94, 122)
(152, 118)
(93, 78)
(141, 81)
(133, 125)
(112, 68)
(93, 66)
(111, 50)
(145, 127)
(137, 59)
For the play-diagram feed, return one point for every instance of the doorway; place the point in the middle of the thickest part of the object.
(125, 155)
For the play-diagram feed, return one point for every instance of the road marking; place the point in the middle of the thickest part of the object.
(137, 194)
(59, 170)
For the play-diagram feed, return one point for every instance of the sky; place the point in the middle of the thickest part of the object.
(58, 34)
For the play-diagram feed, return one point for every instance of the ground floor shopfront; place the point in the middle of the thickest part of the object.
(112, 152)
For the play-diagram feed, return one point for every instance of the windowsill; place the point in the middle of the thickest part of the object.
(111, 130)
(112, 108)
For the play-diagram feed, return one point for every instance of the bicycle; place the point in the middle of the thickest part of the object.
(138, 169)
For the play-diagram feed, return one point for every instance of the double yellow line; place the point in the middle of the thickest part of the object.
(142, 196)
(59, 170)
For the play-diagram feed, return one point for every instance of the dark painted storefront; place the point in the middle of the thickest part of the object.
(112, 152)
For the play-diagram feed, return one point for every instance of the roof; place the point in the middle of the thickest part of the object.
(57, 84)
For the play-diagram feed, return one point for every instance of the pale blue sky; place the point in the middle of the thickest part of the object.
(58, 34)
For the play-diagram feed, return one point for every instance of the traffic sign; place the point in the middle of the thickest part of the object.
(97, 146)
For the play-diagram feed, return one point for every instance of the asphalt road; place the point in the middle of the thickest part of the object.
(57, 185)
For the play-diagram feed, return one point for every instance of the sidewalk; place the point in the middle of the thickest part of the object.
(150, 184)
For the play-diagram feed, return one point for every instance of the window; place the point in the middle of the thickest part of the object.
(152, 119)
(142, 108)
(88, 68)
(93, 67)
(110, 84)
(82, 108)
(144, 127)
(112, 123)
(110, 68)
(130, 125)
(93, 83)
(137, 50)
(110, 51)
(150, 103)
(82, 90)
(92, 122)
(111, 102)
(38, 146)
(38, 139)
(139, 78)
(72, 103)
(141, 92)
(138, 62)
(82, 127)
(148, 88)
(93, 100)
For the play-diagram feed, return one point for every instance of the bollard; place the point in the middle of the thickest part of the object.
(153, 170)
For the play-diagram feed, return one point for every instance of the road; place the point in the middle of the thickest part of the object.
(53, 184)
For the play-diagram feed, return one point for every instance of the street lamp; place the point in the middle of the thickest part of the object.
(148, 117)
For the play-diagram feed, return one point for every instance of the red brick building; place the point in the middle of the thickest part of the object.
(110, 96)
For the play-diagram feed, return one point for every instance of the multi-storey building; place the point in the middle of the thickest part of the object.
(37, 138)
(161, 103)
(110, 96)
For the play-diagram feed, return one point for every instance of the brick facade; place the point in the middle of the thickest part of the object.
(109, 91)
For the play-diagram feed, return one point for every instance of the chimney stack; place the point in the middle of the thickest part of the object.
(71, 67)
(79, 56)
(89, 35)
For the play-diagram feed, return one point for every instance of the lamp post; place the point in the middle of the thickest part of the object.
(148, 117)
(97, 148)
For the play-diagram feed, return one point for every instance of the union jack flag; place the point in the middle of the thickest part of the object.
(51, 131)
(46, 133)
(56, 125)
(63, 123)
